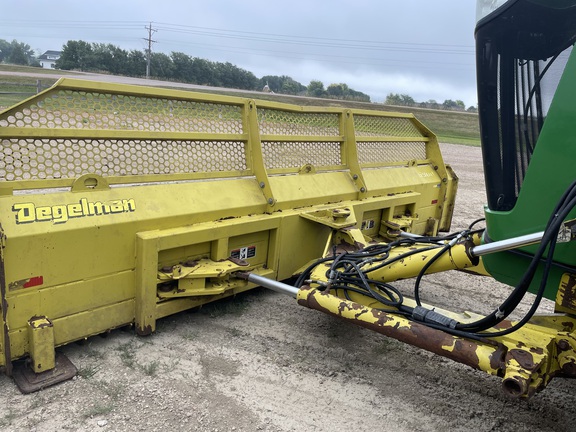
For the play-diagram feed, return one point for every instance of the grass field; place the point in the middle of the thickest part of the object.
(15, 88)
(450, 126)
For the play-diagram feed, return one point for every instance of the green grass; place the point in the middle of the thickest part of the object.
(453, 127)
(30, 69)
(26, 86)
(88, 371)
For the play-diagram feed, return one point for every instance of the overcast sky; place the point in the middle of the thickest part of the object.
(421, 48)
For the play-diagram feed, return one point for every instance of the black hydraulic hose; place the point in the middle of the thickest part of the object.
(346, 273)
(306, 273)
(432, 260)
(400, 257)
(475, 222)
(535, 303)
(550, 235)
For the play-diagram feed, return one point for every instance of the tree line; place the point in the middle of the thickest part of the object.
(178, 66)
(18, 53)
(407, 100)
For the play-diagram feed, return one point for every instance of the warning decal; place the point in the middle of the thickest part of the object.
(244, 253)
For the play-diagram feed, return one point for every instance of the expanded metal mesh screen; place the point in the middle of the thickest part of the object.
(55, 158)
(277, 122)
(296, 154)
(390, 152)
(371, 126)
(23, 159)
(119, 145)
(84, 110)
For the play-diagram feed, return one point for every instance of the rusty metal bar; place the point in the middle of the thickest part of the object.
(469, 352)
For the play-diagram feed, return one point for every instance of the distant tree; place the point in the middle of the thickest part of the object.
(245, 80)
(5, 50)
(17, 53)
(357, 96)
(472, 109)
(119, 63)
(109, 58)
(291, 86)
(183, 70)
(76, 55)
(281, 84)
(135, 63)
(274, 82)
(337, 91)
(399, 99)
(204, 72)
(161, 66)
(316, 89)
(229, 75)
(457, 105)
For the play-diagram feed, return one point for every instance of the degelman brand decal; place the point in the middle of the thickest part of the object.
(29, 212)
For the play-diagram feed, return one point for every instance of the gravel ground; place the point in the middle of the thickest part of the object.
(263, 363)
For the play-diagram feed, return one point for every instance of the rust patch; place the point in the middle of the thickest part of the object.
(568, 292)
(46, 323)
(4, 302)
(497, 357)
(506, 324)
(344, 306)
(144, 331)
(524, 359)
(569, 368)
(236, 261)
(382, 318)
(436, 341)
(537, 350)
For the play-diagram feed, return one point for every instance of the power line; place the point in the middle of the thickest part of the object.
(355, 44)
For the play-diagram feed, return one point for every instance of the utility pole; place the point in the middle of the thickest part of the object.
(151, 31)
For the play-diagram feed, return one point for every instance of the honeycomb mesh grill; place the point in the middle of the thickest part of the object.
(89, 110)
(372, 126)
(297, 154)
(276, 122)
(132, 134)
(389, 152)
(23, 159)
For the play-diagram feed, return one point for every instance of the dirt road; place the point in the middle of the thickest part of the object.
(263, 363)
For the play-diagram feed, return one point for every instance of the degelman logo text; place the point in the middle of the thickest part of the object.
(29, 212)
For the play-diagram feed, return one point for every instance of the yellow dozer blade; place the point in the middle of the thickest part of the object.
(123, 204)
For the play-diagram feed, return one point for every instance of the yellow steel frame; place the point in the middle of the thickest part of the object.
(123, 204)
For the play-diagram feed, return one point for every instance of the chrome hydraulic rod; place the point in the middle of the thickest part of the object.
(504, 245)
(497, 246)
(268, 283)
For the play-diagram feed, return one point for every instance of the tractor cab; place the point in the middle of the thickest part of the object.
(526, 75)
(522, 47)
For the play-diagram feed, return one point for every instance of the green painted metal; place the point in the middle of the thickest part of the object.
(550, 172)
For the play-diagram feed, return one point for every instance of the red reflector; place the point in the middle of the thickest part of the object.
(434, 201)
(34, 281)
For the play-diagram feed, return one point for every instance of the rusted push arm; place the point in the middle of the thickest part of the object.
(526, 359)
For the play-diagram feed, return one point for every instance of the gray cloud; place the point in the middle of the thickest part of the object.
(421, 48)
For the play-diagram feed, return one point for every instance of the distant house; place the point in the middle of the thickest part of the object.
(48, 59)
